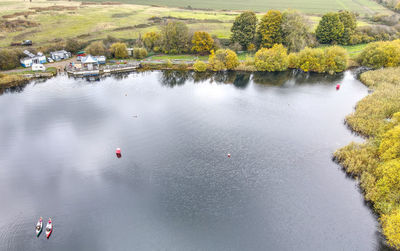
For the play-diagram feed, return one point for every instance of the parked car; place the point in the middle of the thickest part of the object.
(27, 43)
(50, 60)
(38, 67)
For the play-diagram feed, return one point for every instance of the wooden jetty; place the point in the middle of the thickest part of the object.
(102, 70)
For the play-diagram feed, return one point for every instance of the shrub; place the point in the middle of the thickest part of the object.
(274, 59)
(139, 53)
(311, 60)
(390, 227)
(336, 59)
(96, 48)
(200, 66)
(381, 54)
(119, 50)
(223, 60)
(202, 42)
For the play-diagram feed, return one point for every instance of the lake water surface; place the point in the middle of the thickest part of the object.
(174, 187)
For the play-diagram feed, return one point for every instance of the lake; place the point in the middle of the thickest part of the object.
(174, 188)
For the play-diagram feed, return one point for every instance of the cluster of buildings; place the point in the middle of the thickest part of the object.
(40, 58)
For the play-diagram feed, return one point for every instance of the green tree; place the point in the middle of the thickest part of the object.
(73, 45)
(119, 50)
(151, 39)
(202, 42)
(295, 30)
(274, 59)
(9, 59)
(96, 48)
(269, 31)
(223, 60)
(175, 37)
(349, 22)
(330, 28)
(139, 53)
(244, 29)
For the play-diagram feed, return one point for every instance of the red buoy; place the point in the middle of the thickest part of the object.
(337, 86)
(229, 155)
(118, 152)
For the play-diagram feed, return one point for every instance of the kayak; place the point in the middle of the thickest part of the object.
(39, 227)
(49, 228)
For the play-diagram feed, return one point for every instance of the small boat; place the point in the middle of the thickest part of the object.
(49, 228)
(39, 227)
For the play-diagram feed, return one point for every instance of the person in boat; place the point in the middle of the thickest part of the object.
(38, 227)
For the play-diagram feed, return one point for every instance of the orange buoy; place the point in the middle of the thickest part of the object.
(337, 86)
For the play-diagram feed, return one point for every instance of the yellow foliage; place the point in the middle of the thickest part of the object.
(390, 227)
(202, 42)
(223, 60)
(200, 66)
(274, 59)
(118, 50)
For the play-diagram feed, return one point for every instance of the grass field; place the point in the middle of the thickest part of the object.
(126, 21)
(306, 6)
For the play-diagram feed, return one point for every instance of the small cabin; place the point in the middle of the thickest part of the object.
(130, 51)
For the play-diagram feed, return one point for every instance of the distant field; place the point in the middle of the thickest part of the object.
(306, 6)
(61, 19)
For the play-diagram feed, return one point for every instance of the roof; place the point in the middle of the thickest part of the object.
(89, 60)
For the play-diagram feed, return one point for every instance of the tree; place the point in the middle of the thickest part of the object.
(244, 29)
(151, 39)
(223, 60)
(274, 59)
(295, 30)
(9, 59)
(349, 22)
(330, 28)
(139, 53)
(202, 42)
(73, 45)
(388, 186)
(175, 37)
(269, 30)
(96, 48)
(118, 50)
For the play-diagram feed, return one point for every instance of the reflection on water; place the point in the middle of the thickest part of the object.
(175, 188)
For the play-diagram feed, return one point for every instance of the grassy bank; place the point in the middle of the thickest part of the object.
(376, 163)
(8, 80)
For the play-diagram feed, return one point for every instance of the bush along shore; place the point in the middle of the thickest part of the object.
(376, 162)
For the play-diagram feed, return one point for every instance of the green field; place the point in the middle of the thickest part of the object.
(125, 21)
(306, 6)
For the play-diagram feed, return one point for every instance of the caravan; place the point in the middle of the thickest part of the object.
(38, 67)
